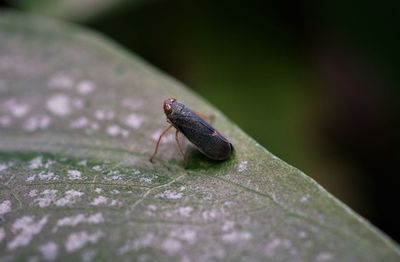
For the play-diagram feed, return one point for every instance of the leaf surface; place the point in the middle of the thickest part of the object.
(75, 10)
(79, 118)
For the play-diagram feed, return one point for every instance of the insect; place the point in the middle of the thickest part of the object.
(207, 140)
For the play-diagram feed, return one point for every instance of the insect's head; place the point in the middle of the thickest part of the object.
(169, 105)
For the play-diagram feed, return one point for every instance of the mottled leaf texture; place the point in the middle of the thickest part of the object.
(79, 118)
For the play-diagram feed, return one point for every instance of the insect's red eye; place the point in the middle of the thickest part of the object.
(167, 108)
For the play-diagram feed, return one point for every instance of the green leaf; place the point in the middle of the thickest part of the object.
(79, 118)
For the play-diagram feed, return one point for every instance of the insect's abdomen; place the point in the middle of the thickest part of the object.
(215, 148)
(209, 141)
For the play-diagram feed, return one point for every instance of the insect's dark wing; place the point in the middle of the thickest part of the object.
(194, 122)
(208, 140)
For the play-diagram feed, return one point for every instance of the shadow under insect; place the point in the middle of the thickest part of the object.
(195, 160)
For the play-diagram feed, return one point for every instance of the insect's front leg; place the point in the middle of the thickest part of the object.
(158, 142)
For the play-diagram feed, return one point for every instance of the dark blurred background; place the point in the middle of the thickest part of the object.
(315, 82)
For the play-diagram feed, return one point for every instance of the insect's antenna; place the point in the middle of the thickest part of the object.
(158, 142)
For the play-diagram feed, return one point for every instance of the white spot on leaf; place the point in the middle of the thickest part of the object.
(16, 108)
(100, 200)
(3, 167)
(152, 207)
(104, 114)
(302, 234)
(113, 130)
(169, 194)
(76, 241)
(47, 197)
(25, 228)
(5, 207)
(171, 246)
(37, 123)
(85, 87)
(115, 203)
(78, 219)
(209, 215)
(242, 166)
(116, 130)
(47, 176)
(271, 248)
(82, 163)
(33, 193)
(186, 235)
(74, 174)
(59, 105)
(70, 197)
(137, 244)
(49, 251)
(236, 237)
(113, 175)
(115, 192)
(79, 123)
(30, 178)
(185, 211)
(36, 163)
(97, 168)
(134, 121)
(304, 199)
(146, 180)
(49, 163)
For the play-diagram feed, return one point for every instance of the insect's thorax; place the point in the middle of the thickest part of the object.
(181, 115)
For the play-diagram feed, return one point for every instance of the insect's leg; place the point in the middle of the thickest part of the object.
(158, 142)
(179, 145)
